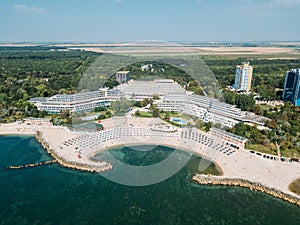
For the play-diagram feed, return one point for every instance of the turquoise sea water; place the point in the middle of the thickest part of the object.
(55, 195)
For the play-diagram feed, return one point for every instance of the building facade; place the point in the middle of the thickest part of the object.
(208, 110)
(230, 138)
(291, 90)
(172, 98)
(243, 77)
(123, 76)
(139, 90)
(87, 101)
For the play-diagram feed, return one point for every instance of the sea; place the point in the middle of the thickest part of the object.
(52, 194)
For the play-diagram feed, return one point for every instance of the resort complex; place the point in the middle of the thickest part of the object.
(151, 131)
(173, 98)
(76, 147)
(118, 112)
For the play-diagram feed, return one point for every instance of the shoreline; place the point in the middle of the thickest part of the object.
(218, 167)
(199, 178)
(242, 169)
(215, 180)
(67, 164)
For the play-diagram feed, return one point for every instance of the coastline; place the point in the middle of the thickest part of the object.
(215, 180)
(209, 180)
(67, 164)
(218, 167)
(241, 169)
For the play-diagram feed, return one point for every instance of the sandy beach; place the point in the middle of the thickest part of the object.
(75, 150)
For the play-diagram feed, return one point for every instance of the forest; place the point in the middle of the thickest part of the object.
(284, 130)
(28, 72)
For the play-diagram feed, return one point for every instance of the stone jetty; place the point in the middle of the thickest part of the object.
(214, 180)
(31, 165)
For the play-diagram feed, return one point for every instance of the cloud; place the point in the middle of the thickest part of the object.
(28, 9)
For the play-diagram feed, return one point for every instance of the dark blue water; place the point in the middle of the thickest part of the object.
(55, 195)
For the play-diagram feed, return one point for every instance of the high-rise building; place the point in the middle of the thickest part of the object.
(291, 90)
(123, 76)
(243, 77)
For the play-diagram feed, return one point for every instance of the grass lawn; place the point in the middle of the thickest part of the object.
(145, 114)
(295, 186)
(262, 149)
(163, 114)
(291, 153)
(269, 150)
(266, 107)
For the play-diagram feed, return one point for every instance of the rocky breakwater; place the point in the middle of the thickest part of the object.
(31, 165)
(103, 166)
(213, 180)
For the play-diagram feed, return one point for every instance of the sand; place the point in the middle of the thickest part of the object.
(242, 164)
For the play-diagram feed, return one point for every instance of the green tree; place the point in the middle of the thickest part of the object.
(167, 116)
(137, 113)
(155, 112)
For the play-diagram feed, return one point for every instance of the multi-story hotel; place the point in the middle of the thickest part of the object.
(123, 76)
(208, 110)
(139, 90)
(76, 102)
(292, 87)
(243, 77)
(172, 98)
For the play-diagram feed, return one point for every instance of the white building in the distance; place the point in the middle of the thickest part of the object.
(123, 76)
(243, 77)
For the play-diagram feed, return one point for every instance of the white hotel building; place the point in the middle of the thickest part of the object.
(76, 102)
(173, 98)
(208, 109)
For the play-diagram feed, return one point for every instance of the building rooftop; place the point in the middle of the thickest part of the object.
(149, 88)
(123, 72)
(227, 134)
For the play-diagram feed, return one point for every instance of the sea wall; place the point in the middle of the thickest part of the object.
(31, 165)
(69, 164)
(213, 180)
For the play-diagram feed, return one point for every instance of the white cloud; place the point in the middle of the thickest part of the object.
(28, 9)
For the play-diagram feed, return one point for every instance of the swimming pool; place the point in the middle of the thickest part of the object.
(88, 118)
(179, 121)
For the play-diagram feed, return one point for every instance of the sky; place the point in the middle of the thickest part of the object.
(138, 20)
